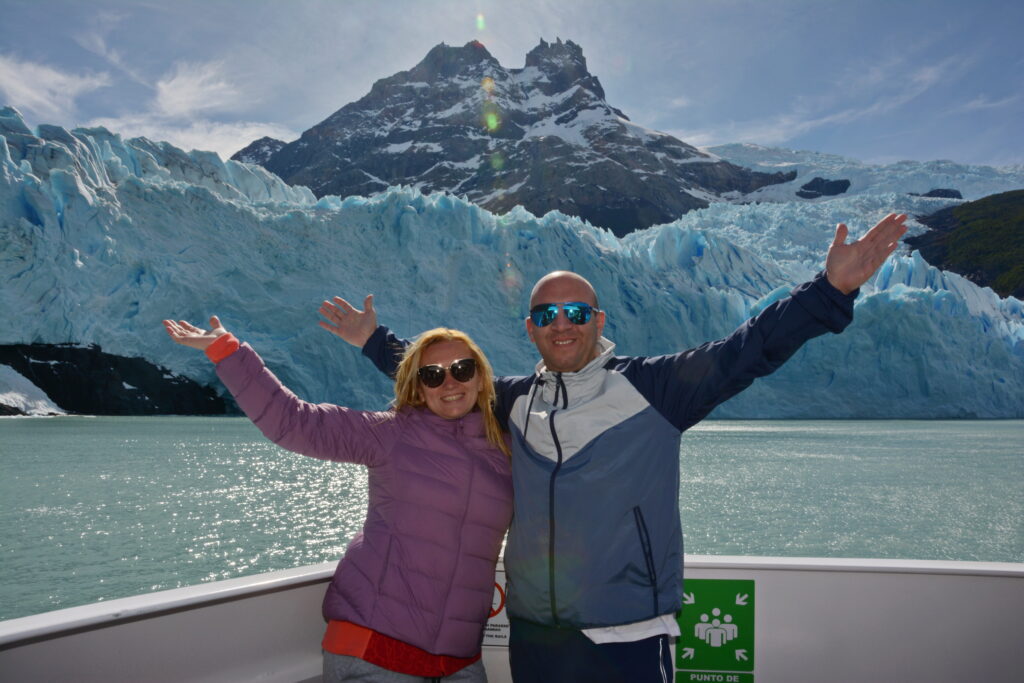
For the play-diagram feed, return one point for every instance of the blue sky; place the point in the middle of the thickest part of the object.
(876, 80)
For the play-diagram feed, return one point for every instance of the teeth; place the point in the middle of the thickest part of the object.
(449, 399)
(563, 343)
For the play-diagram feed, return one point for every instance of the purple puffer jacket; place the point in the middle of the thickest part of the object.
(422, 570)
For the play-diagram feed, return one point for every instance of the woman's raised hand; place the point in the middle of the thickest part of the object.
(185, 333)
(348, 322)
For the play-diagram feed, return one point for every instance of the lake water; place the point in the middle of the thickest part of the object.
(95, 508)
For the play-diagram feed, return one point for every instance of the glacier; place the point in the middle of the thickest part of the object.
(105, 237)
(16, 391)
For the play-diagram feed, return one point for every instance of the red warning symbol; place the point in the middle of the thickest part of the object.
(498, 601)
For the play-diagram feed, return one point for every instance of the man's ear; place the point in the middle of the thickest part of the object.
(529, 330)
(600, 323)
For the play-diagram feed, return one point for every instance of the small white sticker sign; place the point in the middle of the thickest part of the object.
(496, 630)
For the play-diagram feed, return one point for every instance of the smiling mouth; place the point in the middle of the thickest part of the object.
(565, 342)
(452, 398)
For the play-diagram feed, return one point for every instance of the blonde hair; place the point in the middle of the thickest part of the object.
(407, 392)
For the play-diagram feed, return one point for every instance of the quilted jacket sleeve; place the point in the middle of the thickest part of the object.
(323, 430)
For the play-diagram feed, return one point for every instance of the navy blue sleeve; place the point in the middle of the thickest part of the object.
(684, 387)
(385, 350)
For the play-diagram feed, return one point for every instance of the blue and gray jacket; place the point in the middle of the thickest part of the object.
(596, 538)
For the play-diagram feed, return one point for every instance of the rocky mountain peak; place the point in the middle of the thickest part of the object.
(556, 55)
(259, 151)
(445, 61)
(563, 65)
(543, 137)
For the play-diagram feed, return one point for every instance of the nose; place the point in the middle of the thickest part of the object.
(561, 321)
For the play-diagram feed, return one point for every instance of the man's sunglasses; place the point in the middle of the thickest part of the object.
(577, 312)
(433, 375)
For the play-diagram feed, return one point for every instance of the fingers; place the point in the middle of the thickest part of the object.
(339, 308)
(889, 228)
(331, 312)
(841, 233)
(214, 322)
(345, 306)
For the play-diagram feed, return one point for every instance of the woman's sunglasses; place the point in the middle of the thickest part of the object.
(433, 375)
(577, 312)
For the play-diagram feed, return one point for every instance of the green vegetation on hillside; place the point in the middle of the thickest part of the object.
(981, 240)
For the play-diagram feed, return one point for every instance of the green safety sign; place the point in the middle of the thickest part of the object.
(717, 631)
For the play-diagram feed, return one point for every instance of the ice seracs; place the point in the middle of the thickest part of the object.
(103, 237)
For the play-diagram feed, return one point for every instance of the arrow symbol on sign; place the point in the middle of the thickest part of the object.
(742, 599)
(741, 655)
(688, 599)
(687, 653)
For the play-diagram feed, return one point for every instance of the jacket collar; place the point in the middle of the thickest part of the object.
(566, 389)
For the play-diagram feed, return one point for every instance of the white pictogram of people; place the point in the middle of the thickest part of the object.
(716, 632)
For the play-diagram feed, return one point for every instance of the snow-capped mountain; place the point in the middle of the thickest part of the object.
(103, 238)
(259, 151)
(542, 137)
(916, 177)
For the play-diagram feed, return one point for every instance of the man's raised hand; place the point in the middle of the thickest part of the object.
(848, 266)
(348, 322)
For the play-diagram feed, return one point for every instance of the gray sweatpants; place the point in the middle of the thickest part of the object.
(344, 669)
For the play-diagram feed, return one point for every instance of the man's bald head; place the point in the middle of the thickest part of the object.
(563, 279)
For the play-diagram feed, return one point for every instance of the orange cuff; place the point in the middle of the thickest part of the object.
(224, 346)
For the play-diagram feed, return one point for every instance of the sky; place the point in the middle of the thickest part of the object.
(874, 80)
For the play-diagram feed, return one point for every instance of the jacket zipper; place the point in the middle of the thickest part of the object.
(551, 518)
(645, 544)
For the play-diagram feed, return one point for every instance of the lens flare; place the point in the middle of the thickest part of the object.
(487, 84)
(511, 283)
(492, 122)
(497, 161)
(480, 24)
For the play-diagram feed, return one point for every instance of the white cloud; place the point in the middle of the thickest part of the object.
(194, 88)
(877, 90)
(223, 138)
(982, 102)
(97, 44)
(43, 91)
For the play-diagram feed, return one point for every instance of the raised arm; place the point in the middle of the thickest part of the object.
(323, 431)
(686, 386)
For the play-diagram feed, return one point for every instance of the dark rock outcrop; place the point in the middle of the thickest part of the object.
(822, 187)
(7, 411)
(259, 151)
(940, 193)
(982, 240)
(86, 380)
(543, 137)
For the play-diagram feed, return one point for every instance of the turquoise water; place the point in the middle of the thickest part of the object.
(101, 508)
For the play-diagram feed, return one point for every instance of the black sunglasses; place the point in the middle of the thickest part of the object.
(577, 312)
(433, 375)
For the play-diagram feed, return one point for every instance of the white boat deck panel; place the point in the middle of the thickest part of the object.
(833, 620)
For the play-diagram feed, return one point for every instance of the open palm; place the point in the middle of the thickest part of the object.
(185, 333)
(848, 266)
(348, 322)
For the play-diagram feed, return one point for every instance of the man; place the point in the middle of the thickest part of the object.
(594, 554)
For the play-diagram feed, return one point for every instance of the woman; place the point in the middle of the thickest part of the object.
(410, 598)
